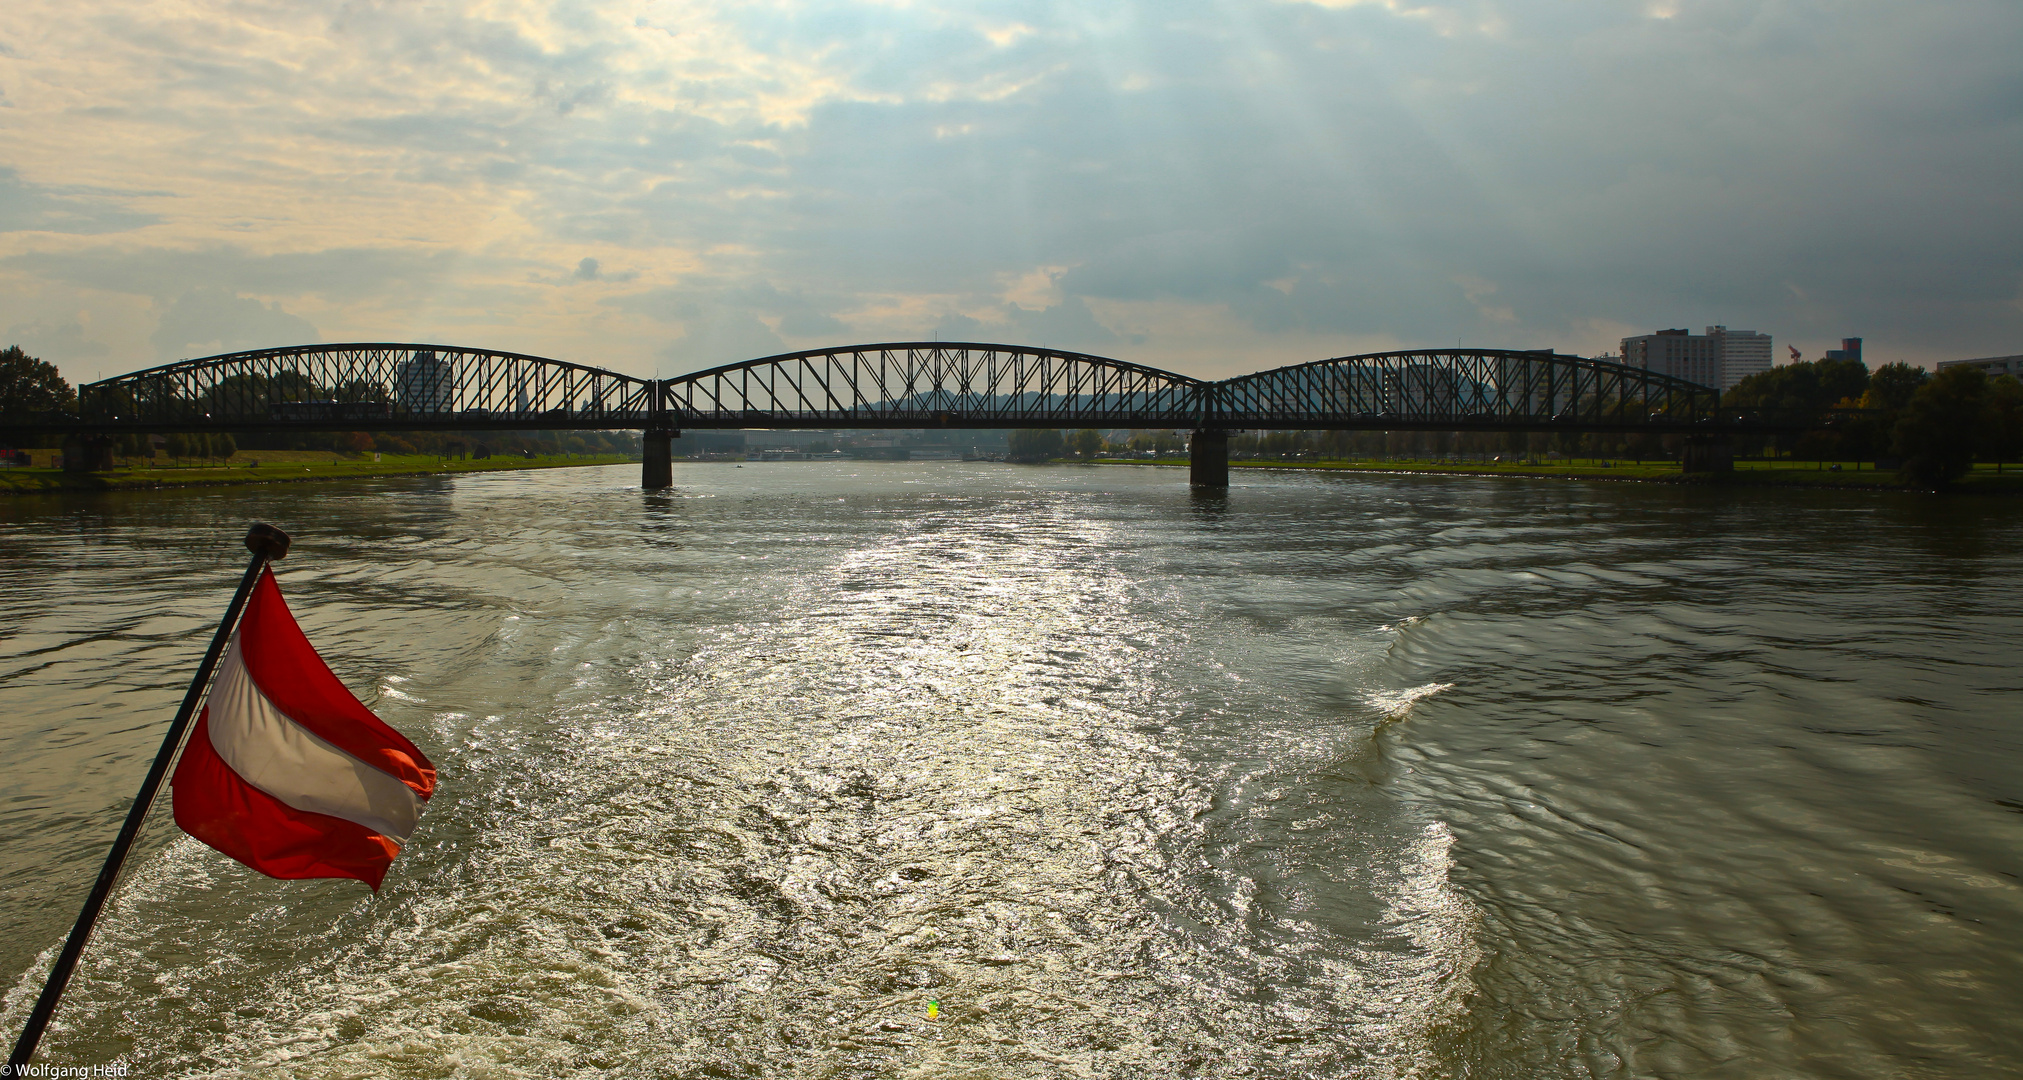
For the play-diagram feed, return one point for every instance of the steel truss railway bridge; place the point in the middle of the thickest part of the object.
(914, 384)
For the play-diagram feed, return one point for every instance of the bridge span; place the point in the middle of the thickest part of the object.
(915, 384)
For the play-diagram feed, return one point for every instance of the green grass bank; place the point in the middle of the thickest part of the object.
(275, 467)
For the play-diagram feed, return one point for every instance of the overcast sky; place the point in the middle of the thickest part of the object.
(1214, 186)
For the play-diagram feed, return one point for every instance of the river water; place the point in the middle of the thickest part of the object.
(1336, 776)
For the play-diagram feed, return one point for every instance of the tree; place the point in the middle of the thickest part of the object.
(1800, 388)
(2002, 421)
(292, 385)
(1036, 444)
(1818, 446)
(353, 442)
(362, 390)
(29, 386)
(1941, 425)
(1800, 391)
(1892, 386)
(1088, 442)
(1890, 390)
(1642, 446)
(1155, 441)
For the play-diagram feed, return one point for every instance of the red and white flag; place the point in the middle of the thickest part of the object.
(286, 771)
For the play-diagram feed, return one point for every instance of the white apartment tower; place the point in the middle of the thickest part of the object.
(1719, 358)
(1676, 353)
(1743, 353)
(425, 384)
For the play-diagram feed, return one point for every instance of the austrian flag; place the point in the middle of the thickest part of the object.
(286, 771)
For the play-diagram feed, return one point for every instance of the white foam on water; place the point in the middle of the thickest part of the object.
(1396, 703)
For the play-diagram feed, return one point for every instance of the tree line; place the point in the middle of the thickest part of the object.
(1046, 444)
(1936, 426)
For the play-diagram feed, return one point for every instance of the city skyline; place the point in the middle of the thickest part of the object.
(1214, 189)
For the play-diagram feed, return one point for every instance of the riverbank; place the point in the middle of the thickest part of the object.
(1858, 476)
(278, 467)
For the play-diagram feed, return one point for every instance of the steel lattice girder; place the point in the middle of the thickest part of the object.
(1464, 389)
(369, 387)
(894, 385)
(932, 384)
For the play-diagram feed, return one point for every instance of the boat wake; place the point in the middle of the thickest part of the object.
(1394, 704)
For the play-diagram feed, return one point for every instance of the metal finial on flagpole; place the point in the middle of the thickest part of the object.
(267, 544)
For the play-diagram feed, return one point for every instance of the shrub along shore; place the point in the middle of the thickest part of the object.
(272, 467)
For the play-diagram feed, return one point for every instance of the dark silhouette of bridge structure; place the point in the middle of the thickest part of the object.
(916, 384)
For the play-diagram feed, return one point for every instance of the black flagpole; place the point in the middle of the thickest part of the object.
(266, 543)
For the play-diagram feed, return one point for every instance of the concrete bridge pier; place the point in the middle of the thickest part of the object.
(656, 469)
(1208, 459)
(1707, 454)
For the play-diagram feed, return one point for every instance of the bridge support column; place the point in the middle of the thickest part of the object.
(656, 469)
(1707, 454)
(1208, 459)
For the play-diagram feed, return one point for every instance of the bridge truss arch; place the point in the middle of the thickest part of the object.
(368, 386)
(925, 384)
(1461, 390)
(919, 384)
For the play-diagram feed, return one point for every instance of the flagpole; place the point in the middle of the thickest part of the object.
(267, 543)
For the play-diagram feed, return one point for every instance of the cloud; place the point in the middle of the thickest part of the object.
(1068, 325)
(721, 337)
(799, 315)
(1297, 175)
(26, 207)
(56, 342)
(207, 321)
(796, 314)
(162, 273)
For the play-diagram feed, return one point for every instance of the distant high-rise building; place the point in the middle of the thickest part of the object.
(1743, 353)
(1721, 358)
(1850, 349)
(1676, 353)
(1993, 365)
(425, 384)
